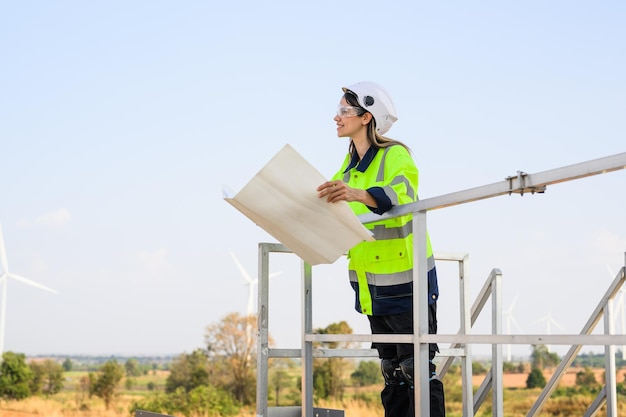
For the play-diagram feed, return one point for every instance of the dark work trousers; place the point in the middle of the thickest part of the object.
(399, 399)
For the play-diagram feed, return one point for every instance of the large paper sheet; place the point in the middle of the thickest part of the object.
(282, 199)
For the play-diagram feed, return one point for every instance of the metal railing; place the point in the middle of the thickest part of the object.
(520, 183)
(608, 393)
(308, 352)
(493, 380)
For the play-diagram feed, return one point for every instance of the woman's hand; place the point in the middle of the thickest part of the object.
(338, 190)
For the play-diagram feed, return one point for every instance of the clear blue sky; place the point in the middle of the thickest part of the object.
(120, 121)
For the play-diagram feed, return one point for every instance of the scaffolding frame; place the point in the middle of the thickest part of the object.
(460, 342)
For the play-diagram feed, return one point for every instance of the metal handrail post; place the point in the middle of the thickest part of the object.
(609, 362)
(262, 365)
(307, 346)
(496, 349)
(466, 328)
(610, 383)
(421, 372)
(263, 350)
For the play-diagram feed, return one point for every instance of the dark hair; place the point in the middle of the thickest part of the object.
(374, 138)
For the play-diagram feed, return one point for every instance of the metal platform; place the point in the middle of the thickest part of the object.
(297, 412)
(142, 413)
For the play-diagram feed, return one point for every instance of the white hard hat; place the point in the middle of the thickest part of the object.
(373, 98)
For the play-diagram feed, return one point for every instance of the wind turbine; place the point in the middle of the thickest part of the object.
(508, 315)
(549, 322)
(4, 278)
(250, 282)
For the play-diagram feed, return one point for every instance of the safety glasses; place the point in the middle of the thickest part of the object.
(348, 111)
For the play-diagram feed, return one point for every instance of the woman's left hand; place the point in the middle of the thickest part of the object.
(338, 190)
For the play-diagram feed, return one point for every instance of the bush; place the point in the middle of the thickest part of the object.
(514, 368)
(188, 371)
(478, 368)
(201, 401)
(586, 378)
(47, 377)
(15, 376)
(535, 379)
(367, 373)
(104, 383)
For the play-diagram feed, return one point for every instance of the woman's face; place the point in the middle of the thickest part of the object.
(348, 123)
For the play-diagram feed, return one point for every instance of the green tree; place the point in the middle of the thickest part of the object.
(105, 383)
(15, 376)
(188, 371)
(201, 401)
(231, 346)
(132, 367)
(478, 368)
(367, 373)
(281, 378)
(67, 365)
(208, 400)
(82, 391)
(47, 377)
(621, 386)
(53, 377)
(321, 380)
(510, 367)
(278, 380)
(329, 374)
(586, 378)
(36, 380)
(541, 357)
(535, 379)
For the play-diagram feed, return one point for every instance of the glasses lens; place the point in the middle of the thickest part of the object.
(346, 111)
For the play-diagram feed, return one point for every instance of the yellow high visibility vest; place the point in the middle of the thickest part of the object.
(381, 272)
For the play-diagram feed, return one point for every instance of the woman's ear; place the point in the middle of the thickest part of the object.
(366, 118)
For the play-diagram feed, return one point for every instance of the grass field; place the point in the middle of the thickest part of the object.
(357, 402)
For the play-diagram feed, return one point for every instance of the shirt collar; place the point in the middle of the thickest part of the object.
(364, 163)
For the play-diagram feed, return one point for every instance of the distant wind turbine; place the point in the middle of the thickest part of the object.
(549, 322)
(508, 315)
(4, 278)
(250, 282)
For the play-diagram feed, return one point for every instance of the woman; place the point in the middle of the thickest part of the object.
(377, 174)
